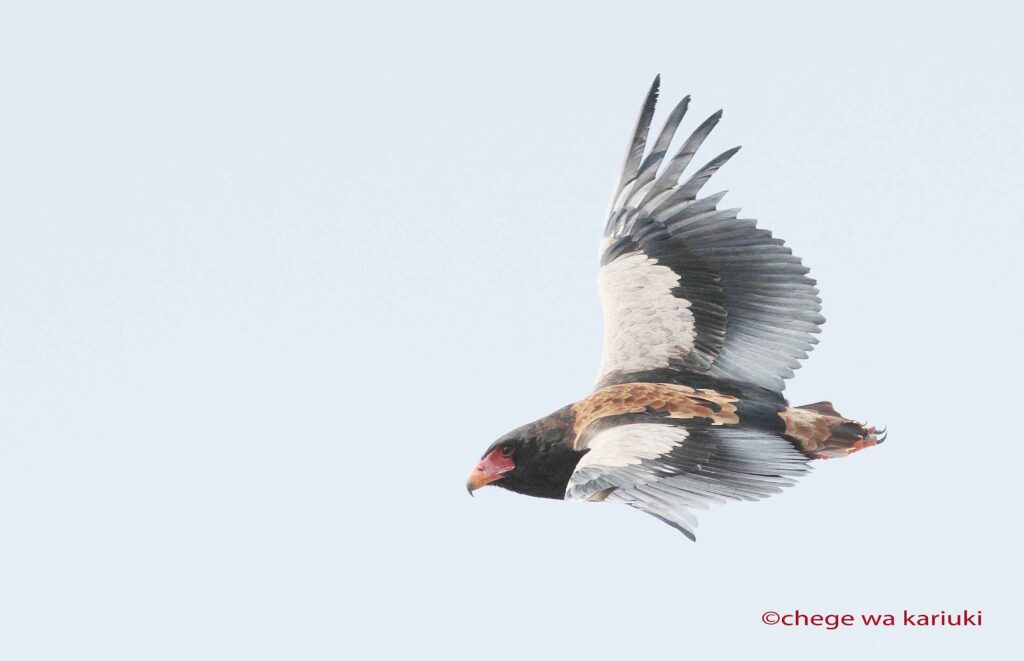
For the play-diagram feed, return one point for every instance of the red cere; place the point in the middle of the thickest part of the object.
(496, 463)
(490, 468)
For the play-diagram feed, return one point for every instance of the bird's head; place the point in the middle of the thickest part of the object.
(534, 459)
(498, 462)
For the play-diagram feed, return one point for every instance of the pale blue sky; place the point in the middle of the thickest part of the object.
(273, 278)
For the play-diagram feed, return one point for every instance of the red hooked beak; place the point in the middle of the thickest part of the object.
(488, 469)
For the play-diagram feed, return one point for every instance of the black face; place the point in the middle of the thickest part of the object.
(536, 459)
(542, 468)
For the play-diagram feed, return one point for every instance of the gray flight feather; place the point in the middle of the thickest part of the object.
(670, 177)
(709, 465)
(635, 152)
(650, 166)
(753, 308)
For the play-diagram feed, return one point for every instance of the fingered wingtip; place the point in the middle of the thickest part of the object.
(652, 96)
(655, 86)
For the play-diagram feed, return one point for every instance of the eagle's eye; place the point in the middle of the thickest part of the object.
(507, 450)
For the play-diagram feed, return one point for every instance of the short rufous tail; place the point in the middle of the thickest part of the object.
(821, 432)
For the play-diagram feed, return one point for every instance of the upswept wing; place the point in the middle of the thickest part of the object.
(687, 286)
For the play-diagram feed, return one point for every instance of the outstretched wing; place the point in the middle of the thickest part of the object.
(687, 286)
(667, 469)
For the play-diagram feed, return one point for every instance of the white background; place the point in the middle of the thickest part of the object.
(271, 279)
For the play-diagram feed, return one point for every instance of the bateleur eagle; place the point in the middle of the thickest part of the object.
(704, 316)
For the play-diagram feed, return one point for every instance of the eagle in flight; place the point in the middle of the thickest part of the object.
(704, 316)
